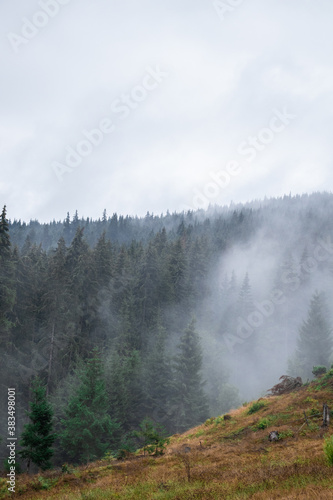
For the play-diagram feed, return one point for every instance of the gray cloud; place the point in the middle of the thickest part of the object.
(224, 80)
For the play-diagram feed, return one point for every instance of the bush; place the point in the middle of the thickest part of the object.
(287, 433)
(256, 407)
(126, 447)
(328, 449)
(319, 370)
(153, 437)
(263, 423)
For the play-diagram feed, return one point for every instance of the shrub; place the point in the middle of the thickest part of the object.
(319, 370)
(287, 433)
(328, 449)
(42, 483)
(126, 447)
(256, 407)
(153, 437)
(263, 423)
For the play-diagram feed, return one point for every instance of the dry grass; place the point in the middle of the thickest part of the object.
(230, 459)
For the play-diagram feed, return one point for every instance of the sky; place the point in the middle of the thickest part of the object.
(139, 106)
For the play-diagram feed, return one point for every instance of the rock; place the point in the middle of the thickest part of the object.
(273, 436)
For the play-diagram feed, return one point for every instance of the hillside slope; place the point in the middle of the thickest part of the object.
(224, 458)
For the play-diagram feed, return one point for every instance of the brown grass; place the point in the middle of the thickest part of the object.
(230, 459)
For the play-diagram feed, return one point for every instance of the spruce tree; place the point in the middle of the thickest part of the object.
(87, 427)
(37, 438)
(190, 403)
(158, 377)
(4, 235)
(314, 344)
(7, 284)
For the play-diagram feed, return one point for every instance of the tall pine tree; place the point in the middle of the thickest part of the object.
(7, 287)
(37, 438)
(314, 344)
(190, 402)
(87, 428)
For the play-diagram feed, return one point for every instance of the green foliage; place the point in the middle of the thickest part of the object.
(153, 437)
(87, 428)
(43, 483)
(328, 450)
(37, 438)
(314, 344)
(319, 370)
(265, 422)
(66, 469)
(7, 283)
(127, 446)
(285, 434)
(258, 405)
(328, 375)
(190, 403)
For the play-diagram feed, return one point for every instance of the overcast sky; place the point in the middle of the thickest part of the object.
(139, 106)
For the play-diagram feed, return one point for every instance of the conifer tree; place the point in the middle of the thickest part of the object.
(314, 344)
(245, 308)
(37, 438)
(190, 402)
(158, 383)
(7, 285)
(245, 302)
(88, 430)
(4, 235)
(124, 387)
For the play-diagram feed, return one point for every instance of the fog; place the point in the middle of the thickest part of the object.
(287, 258)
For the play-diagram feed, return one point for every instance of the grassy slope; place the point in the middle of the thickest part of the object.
(221, 459)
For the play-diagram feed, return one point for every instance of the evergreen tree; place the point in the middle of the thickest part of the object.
(103, 261)
(4, 235)
(158, 377)
(7, 285)
(314, 344)
(245, 302)
(88, 430)
(56, 300)
(37, 438)
(124, 388)
(245, 307)
(148, 287)
(190, 401)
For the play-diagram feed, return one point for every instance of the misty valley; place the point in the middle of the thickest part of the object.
(126, 326)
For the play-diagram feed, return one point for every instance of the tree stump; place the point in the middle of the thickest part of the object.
(326, 416)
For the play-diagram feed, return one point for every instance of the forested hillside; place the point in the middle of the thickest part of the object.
(174, 318)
